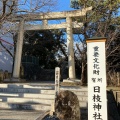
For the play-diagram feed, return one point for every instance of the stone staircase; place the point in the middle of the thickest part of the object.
(35, 97)
(117, 96)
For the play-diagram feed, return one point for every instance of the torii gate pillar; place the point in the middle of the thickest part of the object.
(18, 54)
(71, 61)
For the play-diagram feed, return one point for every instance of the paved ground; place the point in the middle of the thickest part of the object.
(19, 115)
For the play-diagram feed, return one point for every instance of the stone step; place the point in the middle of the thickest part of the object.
(81, 93)
(22, 90)
(20, 114)
(32, 105)
(37, 90)
(83, 104)
(21, 86)
(77, 89)
(43, 100)
(51, 92)
(27, 106)
(25, 100)
(28, 95)
(27, 92)
(34, 98)
(24, 106)
(10, 94)
(25, 86)
(6, 96)
(82, 98)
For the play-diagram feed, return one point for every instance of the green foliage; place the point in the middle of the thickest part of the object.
(102, 21)
(103, 10)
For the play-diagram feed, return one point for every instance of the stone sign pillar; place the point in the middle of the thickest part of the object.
(71, 61)
(57, 80)
(18, 54)
(57, 89)
(97, 98)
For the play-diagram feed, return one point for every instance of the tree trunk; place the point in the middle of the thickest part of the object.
(84, 74)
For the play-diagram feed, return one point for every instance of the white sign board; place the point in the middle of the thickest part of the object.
(57, 80)
(97, 99)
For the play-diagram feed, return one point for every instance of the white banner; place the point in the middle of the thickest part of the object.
(97, 99)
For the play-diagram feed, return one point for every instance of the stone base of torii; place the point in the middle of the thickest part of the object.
(69, 25)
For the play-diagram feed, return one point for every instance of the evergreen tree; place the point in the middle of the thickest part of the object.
(102, 21)
(47, 45)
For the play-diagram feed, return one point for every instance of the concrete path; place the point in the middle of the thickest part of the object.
(19, 115)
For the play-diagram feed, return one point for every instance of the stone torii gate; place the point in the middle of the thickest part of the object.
(44, 17)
